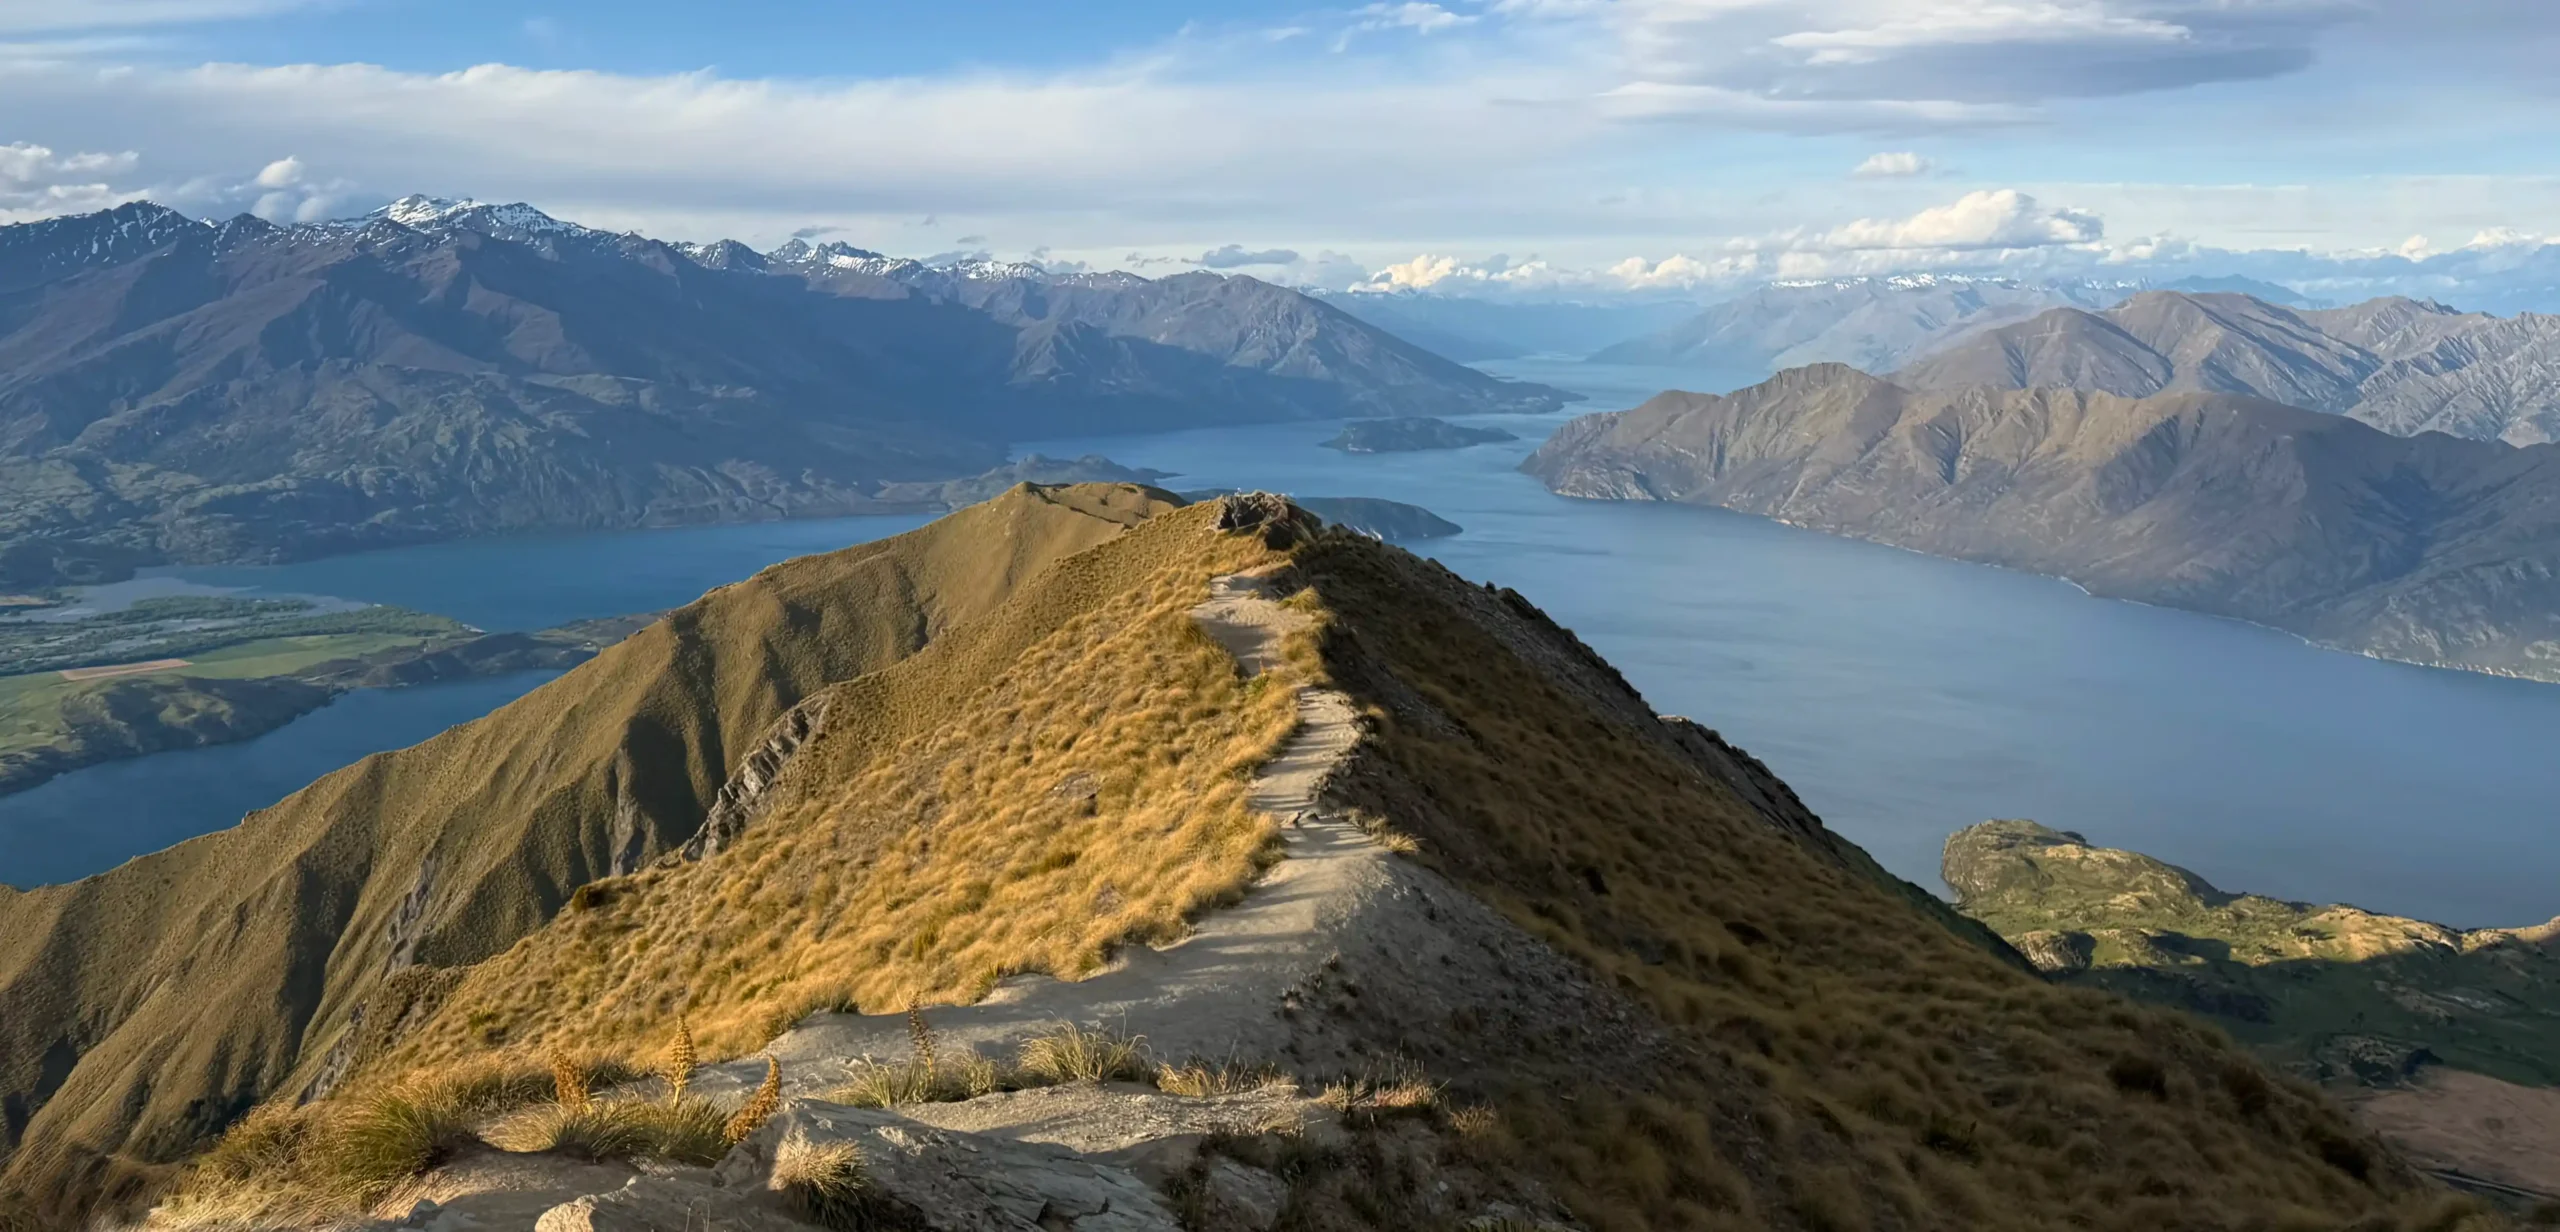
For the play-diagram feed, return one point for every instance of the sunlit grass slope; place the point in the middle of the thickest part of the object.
(143, 1009)
(1066, 773)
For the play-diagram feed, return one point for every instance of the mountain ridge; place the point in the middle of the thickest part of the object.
(2427, 549)
(2403, 365)
(1601, 954)
(196, 392)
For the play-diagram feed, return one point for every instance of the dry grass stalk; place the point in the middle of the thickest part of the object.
(759, 1107)
(920, 1041)
(679, 1064)
(568, 1078)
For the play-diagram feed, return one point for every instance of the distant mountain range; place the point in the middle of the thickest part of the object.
(174, 390)
(1877, 324)
(2429, 549)
(1473, 329)
(2402, 365)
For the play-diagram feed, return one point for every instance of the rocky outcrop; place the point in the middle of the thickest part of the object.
(934, 1180)
(749, 788)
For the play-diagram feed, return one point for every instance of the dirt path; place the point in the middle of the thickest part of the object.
(1217, 993)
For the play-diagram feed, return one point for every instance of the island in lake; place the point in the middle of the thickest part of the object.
(1411, 434)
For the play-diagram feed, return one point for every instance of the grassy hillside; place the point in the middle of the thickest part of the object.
(143, 1009)
(1851, 1061)
(2331, 991)
(1061, 767)
(1063, 774)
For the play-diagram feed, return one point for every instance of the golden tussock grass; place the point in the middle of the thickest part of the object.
(824, 1182)
(1066, 775)
(503, 817)
(1850, 1061)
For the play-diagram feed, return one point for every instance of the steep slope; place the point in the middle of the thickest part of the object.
(1877, 324)
(2428, 549)
(2331, 990)
(1614, 960)
(144, 1008)
(171, 390)
(2405, 366)
(2433, 1030)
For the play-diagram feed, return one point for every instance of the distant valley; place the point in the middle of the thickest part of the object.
(178, 391)
(2427, 549)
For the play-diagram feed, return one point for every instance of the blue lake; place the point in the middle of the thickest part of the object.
(1902, 696)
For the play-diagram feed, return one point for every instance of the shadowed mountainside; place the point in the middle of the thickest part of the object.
(180, 391)
(2427, 549)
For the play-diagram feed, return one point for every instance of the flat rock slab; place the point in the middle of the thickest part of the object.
(939, 1180)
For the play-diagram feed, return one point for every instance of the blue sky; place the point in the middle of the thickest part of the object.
(1606, 143)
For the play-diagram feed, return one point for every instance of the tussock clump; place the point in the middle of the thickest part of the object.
(1072, 1053)
(824, 1182)
(1201, 1079)
(686, 1130)
(283, 1163)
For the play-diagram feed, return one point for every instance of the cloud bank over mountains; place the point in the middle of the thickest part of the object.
(1625, 146)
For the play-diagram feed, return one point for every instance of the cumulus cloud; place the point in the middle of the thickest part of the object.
(284, 172)
(1892, 164)
(38, 182)
(1236, 256)
(1500, 275)
(2001, 218)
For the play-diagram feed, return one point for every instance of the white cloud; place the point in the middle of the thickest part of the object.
(1653, 100)
(1237, 256)
(37, 182)
(2507, 237)
(1967, 51)
(1414, 15)
(1159, 142)
(2001, 218)
(1974, 24)
(282, 173)
(1892, 164)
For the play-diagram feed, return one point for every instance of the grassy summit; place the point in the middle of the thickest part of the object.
(1017, 751)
